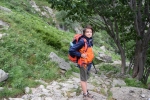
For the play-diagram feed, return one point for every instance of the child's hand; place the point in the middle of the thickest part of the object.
(83, 55)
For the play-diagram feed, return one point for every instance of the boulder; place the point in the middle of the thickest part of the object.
(5, 9)
(3, 75)
(130, 93)
(105, 58)
(3, 25)
(61, 62)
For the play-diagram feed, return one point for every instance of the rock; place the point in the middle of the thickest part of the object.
(49, 10)
(48, 98)
(3, 75)
(118, 82)
(15, 99)
(41, 81)
(3, 25)
(62, 64)
(143, 95)
(104, 57)
(118, 62)
(36, 98)
(78, 29)
(124, 93)
(1, 88)
(103, 48)
(27, 90)
(2, 35)
(33, 4)
(73, 94)
(5, 9)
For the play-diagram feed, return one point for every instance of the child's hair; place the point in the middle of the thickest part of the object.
(88, 27)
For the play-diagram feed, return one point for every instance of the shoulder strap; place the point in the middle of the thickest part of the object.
(85, 44)
(77, 37)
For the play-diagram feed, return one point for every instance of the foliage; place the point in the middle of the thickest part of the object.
(6, 93)
(134, 83)
(108, 67)
(126, 22)
(30, 39)
(92, 12)
(25, 49)
(73, 69)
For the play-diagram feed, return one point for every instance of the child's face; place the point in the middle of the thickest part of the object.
(88, 33)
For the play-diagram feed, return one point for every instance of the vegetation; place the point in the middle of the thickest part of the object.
(30, 39)
(126, 22)
(25, 48)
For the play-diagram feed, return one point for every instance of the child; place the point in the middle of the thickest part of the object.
(84, 59)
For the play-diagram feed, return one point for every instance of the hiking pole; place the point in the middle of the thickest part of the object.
(94, 67)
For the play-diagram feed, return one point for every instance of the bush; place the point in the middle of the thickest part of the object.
(108, 67)
(134, 83)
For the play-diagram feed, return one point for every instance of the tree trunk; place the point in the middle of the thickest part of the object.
(123, 59)
(137, 59)
(140, 59)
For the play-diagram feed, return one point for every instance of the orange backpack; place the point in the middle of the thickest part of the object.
(84, 49)
(76, 38)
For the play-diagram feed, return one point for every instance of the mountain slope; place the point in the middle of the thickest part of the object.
(26, 46)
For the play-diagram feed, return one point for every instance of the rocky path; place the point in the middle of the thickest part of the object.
(102, 87)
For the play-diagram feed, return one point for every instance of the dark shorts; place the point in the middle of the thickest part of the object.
(84, 73)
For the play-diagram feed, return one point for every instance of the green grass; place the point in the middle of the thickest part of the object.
(73, 69)
(108, 67)
(26, 47)
(134, 83)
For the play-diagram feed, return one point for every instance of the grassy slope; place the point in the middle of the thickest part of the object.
(25, 49)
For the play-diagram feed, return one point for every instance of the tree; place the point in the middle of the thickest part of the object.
(124, 20)
(102, 14)
(141, 11)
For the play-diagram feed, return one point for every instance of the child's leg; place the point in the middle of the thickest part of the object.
(84, 87)
(83, 77)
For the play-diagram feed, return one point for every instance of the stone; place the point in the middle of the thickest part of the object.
(3, 75)
(118, 82)
(15, 99)
(5, 9)
(125, 93)
(48, 98)
(27, 90)
(104, 57)
(33, 4)
(143, 95)
(36, 98)
(41, 81)
(103, 48)
(73, 94)
(61, 62)
(3, 25)
(1, 88)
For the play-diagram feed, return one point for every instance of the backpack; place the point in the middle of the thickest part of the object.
(75, 59)
(76, 38)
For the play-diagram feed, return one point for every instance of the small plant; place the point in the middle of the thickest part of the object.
(108, 67)
(95, 83)
(6, 92)
(102, 91)
(134, 83)
(78, 91)
(109, 95)
(75, 69)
